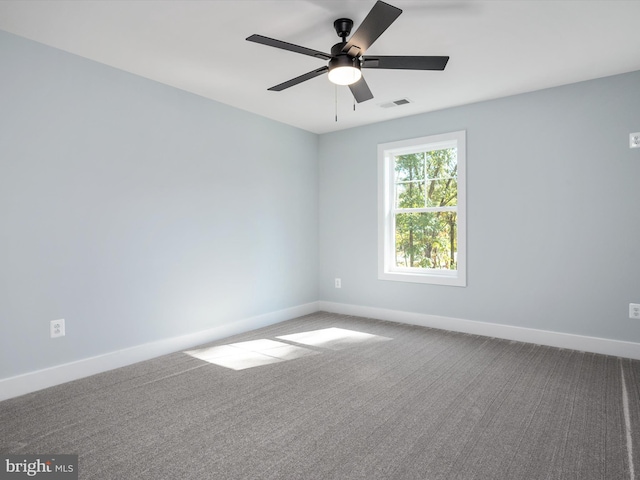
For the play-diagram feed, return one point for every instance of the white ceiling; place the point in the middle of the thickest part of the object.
(497, 48)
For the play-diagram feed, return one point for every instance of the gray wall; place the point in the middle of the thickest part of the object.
(553, 211)
(138, 212)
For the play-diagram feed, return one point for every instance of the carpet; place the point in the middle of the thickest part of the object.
(329, 396)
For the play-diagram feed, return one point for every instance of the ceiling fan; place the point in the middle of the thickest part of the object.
(347, 57)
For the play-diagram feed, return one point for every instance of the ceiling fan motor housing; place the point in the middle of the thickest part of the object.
(340, 59)
(344, 69)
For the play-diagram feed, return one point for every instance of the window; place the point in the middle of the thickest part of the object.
(421, 197)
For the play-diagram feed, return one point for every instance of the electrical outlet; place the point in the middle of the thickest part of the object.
(338, 283)
(634, 140)
(634, 310)
(56, 328)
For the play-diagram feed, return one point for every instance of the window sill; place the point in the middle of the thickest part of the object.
(453, 280)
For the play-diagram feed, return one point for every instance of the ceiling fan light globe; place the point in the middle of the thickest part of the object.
(344, 75)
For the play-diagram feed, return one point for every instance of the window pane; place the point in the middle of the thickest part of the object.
(410, 195)
(409, 167)
(442, 163)
(426, 240)
(442, 193)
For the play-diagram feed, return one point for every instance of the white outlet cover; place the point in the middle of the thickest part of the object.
(56, 328)
(634, 140)
(634, 310)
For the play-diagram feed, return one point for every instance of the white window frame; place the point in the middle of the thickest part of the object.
(387, 270)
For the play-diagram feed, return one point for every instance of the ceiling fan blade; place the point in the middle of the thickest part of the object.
(361, 91)
(272, 42)
(405, 63)
(300, 79)
(381, 16)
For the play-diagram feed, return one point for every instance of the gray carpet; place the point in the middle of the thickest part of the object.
(403, 402)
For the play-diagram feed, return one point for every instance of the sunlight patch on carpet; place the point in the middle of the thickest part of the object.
(254, 353)
(333, 338)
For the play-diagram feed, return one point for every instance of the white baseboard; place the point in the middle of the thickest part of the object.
(604, 346)
(48, 377)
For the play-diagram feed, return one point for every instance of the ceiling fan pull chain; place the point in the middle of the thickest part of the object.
(336, 99)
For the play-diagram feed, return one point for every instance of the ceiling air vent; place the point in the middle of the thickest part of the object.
(396, 103)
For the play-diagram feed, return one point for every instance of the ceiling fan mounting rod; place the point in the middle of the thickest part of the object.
(343, 27)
